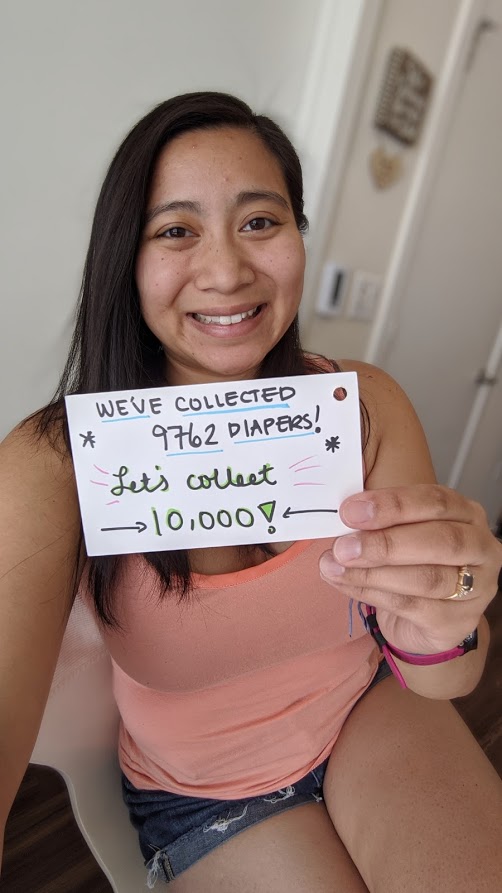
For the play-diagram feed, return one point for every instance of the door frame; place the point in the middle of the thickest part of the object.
(488, 379)
(327, 115)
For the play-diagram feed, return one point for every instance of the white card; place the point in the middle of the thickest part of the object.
(216, 464)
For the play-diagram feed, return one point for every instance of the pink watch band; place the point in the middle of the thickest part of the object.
(426, 660)
(420, 660)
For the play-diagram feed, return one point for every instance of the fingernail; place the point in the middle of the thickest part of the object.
(329, 567)
(348, 547)
(358, 510)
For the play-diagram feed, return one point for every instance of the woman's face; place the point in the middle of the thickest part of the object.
(220, 264)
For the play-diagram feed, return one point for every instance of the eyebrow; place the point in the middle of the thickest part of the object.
(243, 198)
(166, 207)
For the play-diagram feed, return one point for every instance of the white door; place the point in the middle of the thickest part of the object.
(477, 470)
(451, 305)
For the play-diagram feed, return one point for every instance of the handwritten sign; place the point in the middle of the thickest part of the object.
(216, 464)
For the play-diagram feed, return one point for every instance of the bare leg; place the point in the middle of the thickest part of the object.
(294, 852)
(413, 797)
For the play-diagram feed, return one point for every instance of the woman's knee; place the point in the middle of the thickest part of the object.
(412, 795)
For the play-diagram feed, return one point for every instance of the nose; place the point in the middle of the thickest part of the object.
(223, 266)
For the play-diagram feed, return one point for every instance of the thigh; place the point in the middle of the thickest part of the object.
(413, 797)
(297, 851)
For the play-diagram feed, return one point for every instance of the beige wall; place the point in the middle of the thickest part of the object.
(74, 77)
(366, 219)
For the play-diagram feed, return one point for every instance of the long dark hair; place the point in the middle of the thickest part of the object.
(112, 348)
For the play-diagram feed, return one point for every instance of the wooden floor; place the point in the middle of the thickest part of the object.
(45, 853)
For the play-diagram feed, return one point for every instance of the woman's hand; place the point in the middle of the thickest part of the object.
(405, 558)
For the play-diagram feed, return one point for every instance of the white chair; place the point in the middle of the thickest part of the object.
(78, 738)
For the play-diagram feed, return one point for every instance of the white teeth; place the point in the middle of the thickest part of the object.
(225, 320)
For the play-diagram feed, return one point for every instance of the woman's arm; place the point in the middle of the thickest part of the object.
(413, 536)
(39, 536)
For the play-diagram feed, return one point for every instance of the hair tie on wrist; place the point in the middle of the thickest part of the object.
(470, 643)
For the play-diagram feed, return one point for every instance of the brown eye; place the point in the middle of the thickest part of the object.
(176, 232)
(258, 223)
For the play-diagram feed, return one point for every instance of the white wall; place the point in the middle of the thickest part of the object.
(75, 76)
(365, 220)
(443, 291)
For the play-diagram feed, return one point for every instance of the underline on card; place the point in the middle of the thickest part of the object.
(242, 409)
(283, 437)
(194, 453)
(129, 418)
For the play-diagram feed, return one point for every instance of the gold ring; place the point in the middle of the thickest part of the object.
(465, 583)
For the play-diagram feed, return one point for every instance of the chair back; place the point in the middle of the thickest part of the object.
(78, 738)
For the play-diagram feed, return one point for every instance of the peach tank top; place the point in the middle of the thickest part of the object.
(244, 688)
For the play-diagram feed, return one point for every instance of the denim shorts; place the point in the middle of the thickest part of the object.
(176, 831)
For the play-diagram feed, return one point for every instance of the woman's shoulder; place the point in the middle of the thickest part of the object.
(365, 371)
(35, 448)
(395, 439)
(39, 507)
(373, 380)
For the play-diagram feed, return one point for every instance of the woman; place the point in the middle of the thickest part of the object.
(241, 690)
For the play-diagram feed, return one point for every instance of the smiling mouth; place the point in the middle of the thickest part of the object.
(227, 320)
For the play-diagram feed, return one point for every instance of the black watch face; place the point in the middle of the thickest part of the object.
(471, 641)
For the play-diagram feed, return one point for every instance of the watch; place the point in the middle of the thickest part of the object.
(470, 643)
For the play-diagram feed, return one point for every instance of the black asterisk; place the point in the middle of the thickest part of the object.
(88, 438)
(332, 444)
